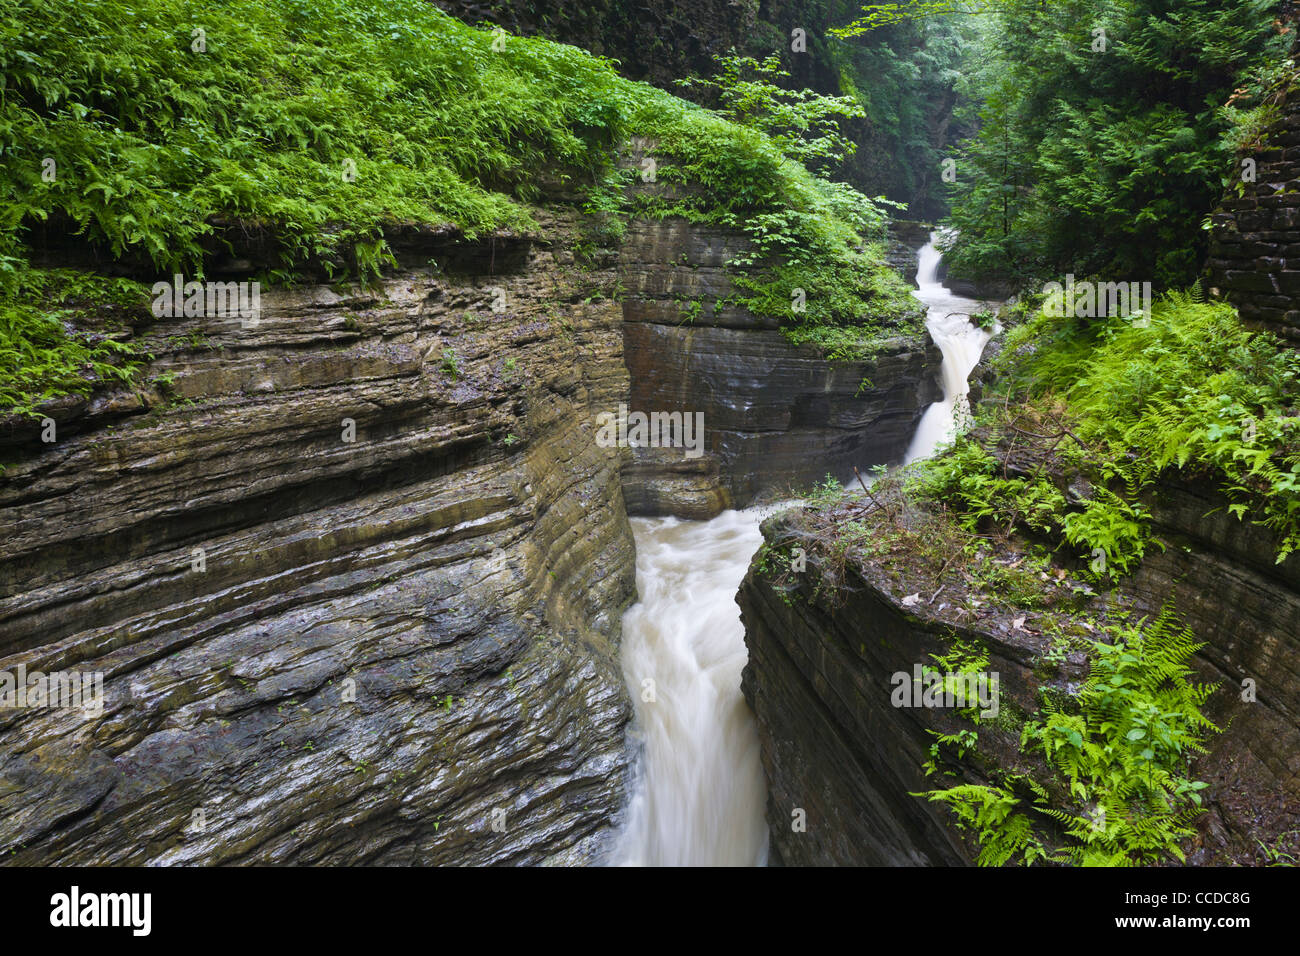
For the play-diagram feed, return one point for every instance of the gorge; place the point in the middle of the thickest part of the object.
(702, 785)
(439, 445)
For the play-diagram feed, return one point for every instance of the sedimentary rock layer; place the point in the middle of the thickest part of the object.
(1255, 250)
(820, 664)
(776, 415)
(353, 574)
(338, 579)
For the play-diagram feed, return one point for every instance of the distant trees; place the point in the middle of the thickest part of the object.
(1104, 130)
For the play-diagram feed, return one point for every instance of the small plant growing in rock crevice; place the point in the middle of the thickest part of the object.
(450, 363)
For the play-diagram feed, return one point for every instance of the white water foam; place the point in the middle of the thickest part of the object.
(961, 344)
(700, 793)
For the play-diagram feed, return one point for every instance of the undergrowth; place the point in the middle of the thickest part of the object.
(1122, 748)
(1086, 415)
(1191, 390)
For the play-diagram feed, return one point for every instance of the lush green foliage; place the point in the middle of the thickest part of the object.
(804, 123)
(1192, 390)
(323, 124)
(907, 77)
(1101, 152)
(968, 479)
(1119, 756)
(60, 335)
(807, 234)
(877, 15)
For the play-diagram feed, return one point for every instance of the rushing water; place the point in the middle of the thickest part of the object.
(961, 344)
(699, 793)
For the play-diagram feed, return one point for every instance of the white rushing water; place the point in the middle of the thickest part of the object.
(961, 344)
(699, 796)
(699, 793)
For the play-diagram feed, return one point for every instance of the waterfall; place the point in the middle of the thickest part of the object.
(961, 344)
(698, 792)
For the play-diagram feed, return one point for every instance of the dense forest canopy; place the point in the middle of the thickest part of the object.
(1106, 133)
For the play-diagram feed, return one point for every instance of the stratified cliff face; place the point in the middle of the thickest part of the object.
(842, 763)
(833, 744)
(1246, 608)
(354, 578)
(776, 415)
(906, 237)
(320, 646)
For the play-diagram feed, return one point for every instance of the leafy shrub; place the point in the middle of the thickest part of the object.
(61, 333)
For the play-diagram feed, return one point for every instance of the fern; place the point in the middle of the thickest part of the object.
(1121, 752)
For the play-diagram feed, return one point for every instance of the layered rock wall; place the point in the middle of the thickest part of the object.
(353, 574)
(337, 578)
(819, 682)
(1254, 257)
(776, 416)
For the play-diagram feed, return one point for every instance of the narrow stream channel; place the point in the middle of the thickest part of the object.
(699, 793)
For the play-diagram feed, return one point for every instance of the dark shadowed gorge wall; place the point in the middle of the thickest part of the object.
(1255, 253)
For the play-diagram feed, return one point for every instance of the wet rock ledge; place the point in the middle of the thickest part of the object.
(777, 416)
(391, 649)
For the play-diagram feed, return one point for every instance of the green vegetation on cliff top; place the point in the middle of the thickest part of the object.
(1113, 404)
(150, 127)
